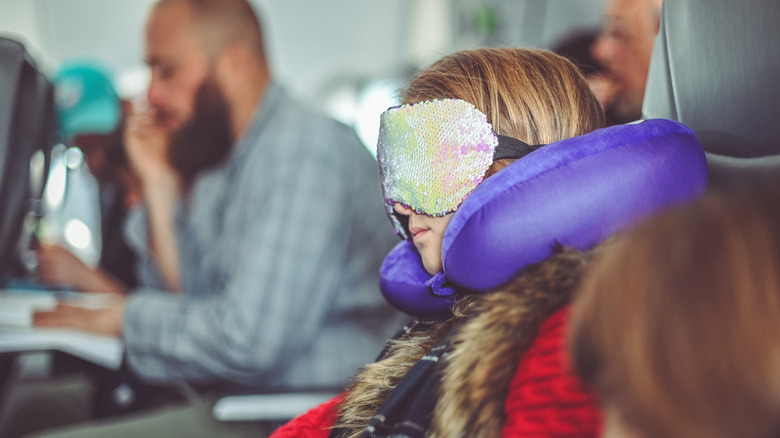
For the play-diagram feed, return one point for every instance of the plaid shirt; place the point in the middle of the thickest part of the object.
(280, 248)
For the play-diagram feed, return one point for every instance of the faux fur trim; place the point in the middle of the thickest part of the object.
(496, 329)
(487, 349)
(370, 388)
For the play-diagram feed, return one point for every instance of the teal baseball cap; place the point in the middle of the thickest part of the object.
(86, 100)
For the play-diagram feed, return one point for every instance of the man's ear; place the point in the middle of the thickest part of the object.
(231, 69)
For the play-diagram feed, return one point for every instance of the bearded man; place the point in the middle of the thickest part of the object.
(624, 49)
(260, 237)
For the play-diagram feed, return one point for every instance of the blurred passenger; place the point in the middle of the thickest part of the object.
(624, 49)
(677, 325)
(473, 369)
(578, 48)
(91, 118)
(264, 214)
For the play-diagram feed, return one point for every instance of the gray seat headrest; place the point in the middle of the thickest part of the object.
(716, 68)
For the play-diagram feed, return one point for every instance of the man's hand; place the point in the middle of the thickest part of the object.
(106, 321)
(58, 266)
(146, 144)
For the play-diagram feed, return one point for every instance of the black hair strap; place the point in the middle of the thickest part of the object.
(512, 148)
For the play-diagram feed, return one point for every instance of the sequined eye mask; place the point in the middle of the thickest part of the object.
(432, 154)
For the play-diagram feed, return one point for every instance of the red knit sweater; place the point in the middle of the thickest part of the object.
(544, 401)
(313, 424)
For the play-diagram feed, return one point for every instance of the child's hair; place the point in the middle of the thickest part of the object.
(677, 326)
(533, 95)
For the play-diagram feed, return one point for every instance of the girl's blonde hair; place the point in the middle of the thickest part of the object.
(532, 95)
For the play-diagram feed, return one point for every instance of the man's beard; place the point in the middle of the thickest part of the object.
(205, 139)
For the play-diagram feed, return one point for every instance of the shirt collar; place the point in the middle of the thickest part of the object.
(266, 107)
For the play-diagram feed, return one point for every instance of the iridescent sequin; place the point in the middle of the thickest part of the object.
(432, 154)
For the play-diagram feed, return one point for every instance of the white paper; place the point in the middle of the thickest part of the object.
(18, 335)
(17, 307)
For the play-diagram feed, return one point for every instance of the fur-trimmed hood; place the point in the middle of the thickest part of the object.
(489, 333)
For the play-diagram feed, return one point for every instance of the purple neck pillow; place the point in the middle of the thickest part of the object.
(575, 192)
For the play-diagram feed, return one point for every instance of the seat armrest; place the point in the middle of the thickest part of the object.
(268, 407)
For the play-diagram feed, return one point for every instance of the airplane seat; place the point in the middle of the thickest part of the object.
(27, 134)
(716, 68)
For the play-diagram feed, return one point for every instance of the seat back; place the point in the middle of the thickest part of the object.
(715, 68)
(27, 133)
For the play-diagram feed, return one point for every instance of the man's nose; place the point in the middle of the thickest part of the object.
(602, 49)
(155, 95)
